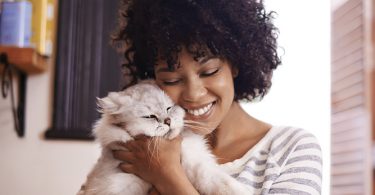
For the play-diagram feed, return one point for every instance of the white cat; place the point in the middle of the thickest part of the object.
(146, 109)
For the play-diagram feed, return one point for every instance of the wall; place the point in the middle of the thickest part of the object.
(299, 97)
(32, 165)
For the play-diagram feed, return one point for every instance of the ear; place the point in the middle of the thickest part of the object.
(111, 104)
(106, 105)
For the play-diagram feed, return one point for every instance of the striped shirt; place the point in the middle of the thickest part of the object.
(286, 160)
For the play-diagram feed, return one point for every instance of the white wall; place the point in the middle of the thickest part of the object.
(32, 165)
(300, 95)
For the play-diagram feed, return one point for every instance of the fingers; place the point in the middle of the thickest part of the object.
(141, 137)
(127, 168)
(134, 145)
(116, 145)
(178, 138)
(124, 156)
(138, 144)
(128, 161)
(153, 191)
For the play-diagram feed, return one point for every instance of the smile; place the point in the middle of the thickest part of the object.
(200, 111)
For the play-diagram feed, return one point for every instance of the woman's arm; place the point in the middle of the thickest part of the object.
(156, 161)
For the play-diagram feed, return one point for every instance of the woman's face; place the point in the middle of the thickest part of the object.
(204, 88)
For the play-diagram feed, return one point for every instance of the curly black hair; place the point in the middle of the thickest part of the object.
(239, 31)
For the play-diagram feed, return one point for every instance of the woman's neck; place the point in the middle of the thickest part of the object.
(231, 127)
(239, 128)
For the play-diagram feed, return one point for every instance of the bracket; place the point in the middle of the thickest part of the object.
(7, 87)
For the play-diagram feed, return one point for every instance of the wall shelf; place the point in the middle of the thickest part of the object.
(27, 60)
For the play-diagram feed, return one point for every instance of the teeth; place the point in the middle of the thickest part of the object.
(196, 112)
(200, 111)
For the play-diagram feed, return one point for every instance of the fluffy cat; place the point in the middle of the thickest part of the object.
(146, 109)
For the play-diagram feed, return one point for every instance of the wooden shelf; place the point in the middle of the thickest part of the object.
(27, 60)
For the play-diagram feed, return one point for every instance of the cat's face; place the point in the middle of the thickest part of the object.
(144, 109)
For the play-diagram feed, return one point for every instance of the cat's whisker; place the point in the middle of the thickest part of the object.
(197, 128)
(154, 152)
(152, 143)
(156, 145)
(197, 122)
(151, 148)
(200, 124)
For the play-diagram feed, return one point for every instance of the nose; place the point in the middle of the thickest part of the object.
(167, 121)
(194, 90)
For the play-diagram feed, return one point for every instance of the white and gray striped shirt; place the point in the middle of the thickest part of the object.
(286, 160)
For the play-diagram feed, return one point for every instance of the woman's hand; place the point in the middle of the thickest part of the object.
(157, 161)
(153, 159)
(153, 191)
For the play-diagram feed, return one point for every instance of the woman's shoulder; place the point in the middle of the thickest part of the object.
(287, 142)
(289, 136)
(280, 145)
(280, 141)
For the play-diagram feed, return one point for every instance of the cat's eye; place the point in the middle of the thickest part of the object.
(169, 108)
(150, 116)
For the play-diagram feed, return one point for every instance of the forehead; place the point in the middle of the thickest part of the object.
(192, 54)
(185, 62)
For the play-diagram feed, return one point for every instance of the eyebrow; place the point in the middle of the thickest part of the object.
(164, 69)
(206, 58)
(201, 61)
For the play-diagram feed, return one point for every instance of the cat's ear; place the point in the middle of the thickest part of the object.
(106, 105)
(112, 104)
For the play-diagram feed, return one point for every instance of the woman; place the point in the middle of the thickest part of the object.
(207, 56)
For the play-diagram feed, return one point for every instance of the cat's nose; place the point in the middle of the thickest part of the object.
(167, 121)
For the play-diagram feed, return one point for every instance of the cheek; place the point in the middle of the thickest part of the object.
(223, 87)
(173, 92)
(178, 117)
(141, 127)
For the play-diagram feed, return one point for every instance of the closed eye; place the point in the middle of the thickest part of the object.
(171, 82)
(169, 108)
(210, 72)
(151, 117)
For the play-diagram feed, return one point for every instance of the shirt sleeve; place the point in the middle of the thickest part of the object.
(300, 167)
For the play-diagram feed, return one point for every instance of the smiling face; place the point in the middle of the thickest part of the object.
(204, 88)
